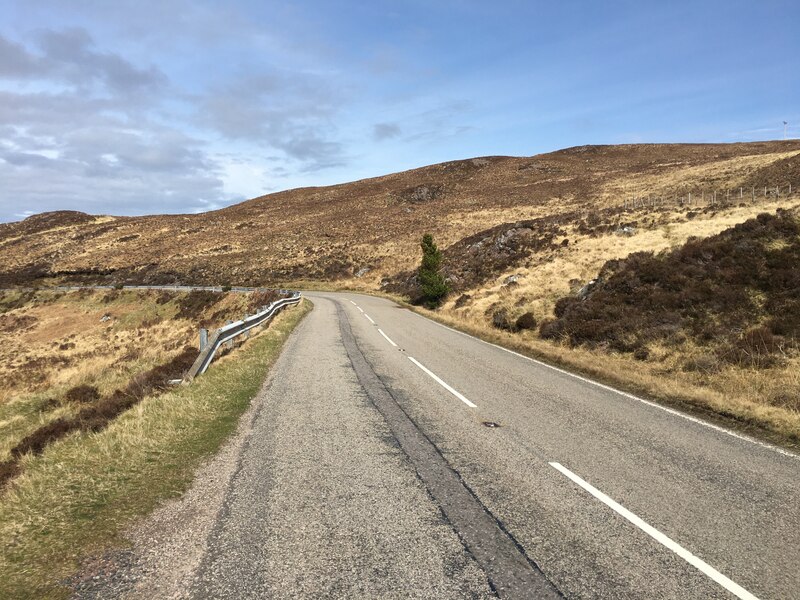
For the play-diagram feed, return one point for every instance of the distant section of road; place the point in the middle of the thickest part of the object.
(393, 457)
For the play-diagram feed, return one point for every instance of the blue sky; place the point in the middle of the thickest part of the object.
(188, 105)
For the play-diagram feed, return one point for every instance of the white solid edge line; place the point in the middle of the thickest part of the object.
(369, 318)
(671, 411)
(388, 339)
(662, 539)
(442, 383)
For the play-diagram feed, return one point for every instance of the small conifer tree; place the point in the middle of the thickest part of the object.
(432, 282)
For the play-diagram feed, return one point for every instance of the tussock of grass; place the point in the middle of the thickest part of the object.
(78, 496)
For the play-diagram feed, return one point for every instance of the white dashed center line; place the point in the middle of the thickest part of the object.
(671, 411)
(387, 337)
(433, 376)
(662, 539)
(369, 318)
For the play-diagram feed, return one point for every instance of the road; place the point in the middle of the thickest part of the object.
(373, 470)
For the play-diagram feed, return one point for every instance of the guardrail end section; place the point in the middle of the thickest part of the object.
(228, 332)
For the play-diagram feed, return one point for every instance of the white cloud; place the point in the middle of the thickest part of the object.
(91, 137)
(385, 131)
(245, 179)
(85, 128)
(291, 112)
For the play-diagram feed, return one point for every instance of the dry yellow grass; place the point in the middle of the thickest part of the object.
(57, 341)
(546, 278)
(671, 179)
(77, 498)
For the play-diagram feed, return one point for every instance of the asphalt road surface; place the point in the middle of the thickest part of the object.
(396, 458)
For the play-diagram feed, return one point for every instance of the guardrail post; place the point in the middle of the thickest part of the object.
(203, 338)
(232, 329)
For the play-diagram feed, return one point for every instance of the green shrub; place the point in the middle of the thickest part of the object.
(432, 283)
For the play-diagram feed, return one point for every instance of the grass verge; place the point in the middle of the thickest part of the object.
(79, 496)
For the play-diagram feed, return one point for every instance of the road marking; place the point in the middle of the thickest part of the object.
(369, 318)
(442, 383)
(359, 308)
(507, 567)
(671, 411)
(387, 337)
(662, 539)
(353, 303)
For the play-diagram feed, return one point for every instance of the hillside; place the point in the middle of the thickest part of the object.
(737, 292)
(710, 311)
(371, 227)
(75, 360)
(668, 271)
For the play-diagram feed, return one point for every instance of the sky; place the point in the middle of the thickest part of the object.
(182, 106)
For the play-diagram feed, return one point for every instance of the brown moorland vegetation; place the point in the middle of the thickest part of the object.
(371, 227)
(728, 301)
(736, 293)
(74, 361)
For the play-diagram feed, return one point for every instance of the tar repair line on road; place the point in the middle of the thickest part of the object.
(510, 571)
(662, 539)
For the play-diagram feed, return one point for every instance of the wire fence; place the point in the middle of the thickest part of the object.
(712, 197)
